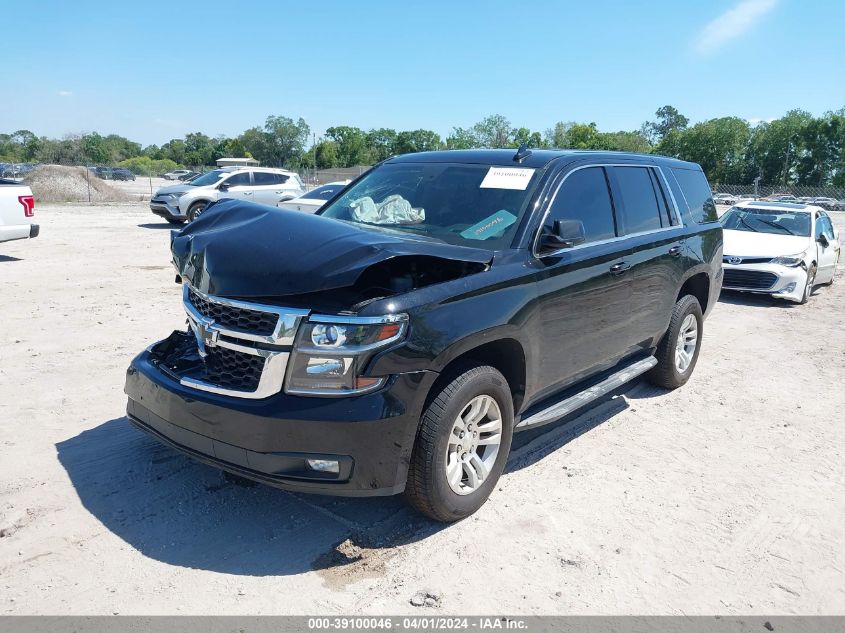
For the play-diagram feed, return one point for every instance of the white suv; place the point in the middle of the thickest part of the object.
(262, 185)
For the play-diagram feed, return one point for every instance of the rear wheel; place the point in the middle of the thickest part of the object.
(462, 445)
(678, 351)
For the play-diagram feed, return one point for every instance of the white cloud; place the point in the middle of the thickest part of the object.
(732, 23)
(65, 93)
(755, 120)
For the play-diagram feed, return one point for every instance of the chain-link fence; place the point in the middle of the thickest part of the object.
(799, 191)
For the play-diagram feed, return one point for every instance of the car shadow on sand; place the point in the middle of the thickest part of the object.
(160, 225)
(180, 512)
(752, 300)
(9, 258)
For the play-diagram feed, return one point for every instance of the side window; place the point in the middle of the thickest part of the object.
(238, 180)
(697, 194)
(819, 226)
(827, 229)
(637, 189)
(268, 178)
(585, 196)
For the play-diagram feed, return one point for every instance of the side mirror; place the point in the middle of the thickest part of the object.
(223, 186)
(822, 239)
(563, 234)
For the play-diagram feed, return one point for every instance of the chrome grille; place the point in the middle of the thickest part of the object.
(245, 346)
(233, 370)
(255, 321)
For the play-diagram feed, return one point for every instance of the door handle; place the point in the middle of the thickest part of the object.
(675, 251)
(618, 269)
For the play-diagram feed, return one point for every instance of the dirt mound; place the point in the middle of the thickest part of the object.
(56, 183)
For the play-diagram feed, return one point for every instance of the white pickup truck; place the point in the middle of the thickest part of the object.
(17, 208)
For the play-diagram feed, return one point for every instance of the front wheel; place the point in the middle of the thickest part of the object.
(678, 351)
(808, 287)
(196, 210)
(462, 445)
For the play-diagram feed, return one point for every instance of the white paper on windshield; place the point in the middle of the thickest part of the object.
(507, 178)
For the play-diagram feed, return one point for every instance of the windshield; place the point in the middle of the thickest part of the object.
(464, 204)
(767, 221)
(208, 179)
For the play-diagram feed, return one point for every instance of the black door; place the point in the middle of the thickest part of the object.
(655, 251)
(584, 306)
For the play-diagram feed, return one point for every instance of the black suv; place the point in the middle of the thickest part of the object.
(395, 340)
(121, 173)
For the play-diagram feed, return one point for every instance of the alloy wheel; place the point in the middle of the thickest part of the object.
(473, 444)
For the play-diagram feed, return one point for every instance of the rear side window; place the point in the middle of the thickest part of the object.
(268, 178)
(585, 196)
(636, 187)
(697, 194)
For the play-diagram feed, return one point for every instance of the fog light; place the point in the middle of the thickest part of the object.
(786, 289)
(324, 465)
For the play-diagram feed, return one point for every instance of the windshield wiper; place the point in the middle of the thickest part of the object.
(777, 226)
(742, 219)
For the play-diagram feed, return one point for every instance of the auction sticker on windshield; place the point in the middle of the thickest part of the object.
(507, 178)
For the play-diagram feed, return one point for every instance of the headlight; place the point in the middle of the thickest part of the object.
(790, 260)
(330, 353)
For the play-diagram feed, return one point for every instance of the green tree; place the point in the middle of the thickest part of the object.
(416, 141)
(351, 145)
(381, 143)
(326, 154)
(668, 120)
(493, 131)
(718, 145)
(284, 141)
(461, 138)
(524, 136)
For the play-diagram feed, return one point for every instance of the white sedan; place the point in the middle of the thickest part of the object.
(778, 248)
(315, 198)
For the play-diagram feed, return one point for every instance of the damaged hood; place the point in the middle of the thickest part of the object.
(242, 249)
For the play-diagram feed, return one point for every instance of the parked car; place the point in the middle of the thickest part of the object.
(17, 208)
(725, 198)
(121, 173)
(315, 198)
(828, 204)
(781, 197)
(186, 201)
(254, 184)
(746, 196)
(102, 172)
(395, 340)
(779, 249)
(189, 176)
(174, 175)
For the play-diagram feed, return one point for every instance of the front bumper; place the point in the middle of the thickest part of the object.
(786, 282)
(166, 208)
(269, 440)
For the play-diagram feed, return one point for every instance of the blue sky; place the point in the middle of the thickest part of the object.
(156, 70)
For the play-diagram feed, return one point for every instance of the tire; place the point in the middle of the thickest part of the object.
(670, 372)
(449, 414)
(196, 210)
(808, 287)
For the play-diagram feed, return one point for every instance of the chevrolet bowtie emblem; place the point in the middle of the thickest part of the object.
(205, 335)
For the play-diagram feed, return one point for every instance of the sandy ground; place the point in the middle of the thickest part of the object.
(726, 496)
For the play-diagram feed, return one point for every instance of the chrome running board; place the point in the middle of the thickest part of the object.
(565, 407)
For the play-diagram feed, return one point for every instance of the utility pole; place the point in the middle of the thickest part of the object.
(786, 162)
